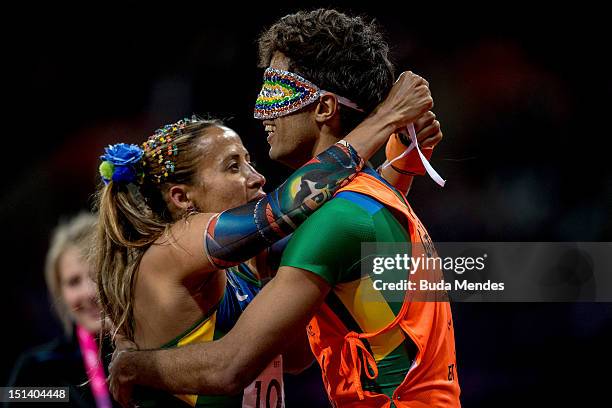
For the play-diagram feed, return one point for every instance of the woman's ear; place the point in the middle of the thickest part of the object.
(178, 196)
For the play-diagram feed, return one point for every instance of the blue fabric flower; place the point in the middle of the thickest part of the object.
(123, 161)
(124, 174)
(122, 154)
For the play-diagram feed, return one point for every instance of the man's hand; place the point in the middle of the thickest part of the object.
(408, 100)
(428, 131)
(121, 380)
(401, 173)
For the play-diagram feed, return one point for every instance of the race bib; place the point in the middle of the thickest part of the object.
(267, 390)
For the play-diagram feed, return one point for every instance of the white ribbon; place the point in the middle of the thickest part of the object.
(342, 100)
(430, 170)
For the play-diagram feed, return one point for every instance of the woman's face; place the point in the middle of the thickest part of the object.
(78, 290)
(225, 177)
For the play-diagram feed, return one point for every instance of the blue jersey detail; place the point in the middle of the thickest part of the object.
(241, 287)
(370, 205)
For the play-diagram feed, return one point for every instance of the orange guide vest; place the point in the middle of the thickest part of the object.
(432, 379)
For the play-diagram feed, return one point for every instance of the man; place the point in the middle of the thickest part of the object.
(326, 71)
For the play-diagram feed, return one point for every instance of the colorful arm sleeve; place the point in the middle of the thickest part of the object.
(236, 235)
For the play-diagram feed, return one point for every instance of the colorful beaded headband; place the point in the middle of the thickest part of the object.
(124, 163)
(284, 92)
(161, 147)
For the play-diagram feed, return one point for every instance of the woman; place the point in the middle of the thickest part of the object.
(67, 361)
(160, 208)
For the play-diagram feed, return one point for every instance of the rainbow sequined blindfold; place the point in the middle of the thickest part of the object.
(284, 92)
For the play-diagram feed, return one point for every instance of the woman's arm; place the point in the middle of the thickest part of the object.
(203, 243)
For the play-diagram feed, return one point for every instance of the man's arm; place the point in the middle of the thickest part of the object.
(275, 318)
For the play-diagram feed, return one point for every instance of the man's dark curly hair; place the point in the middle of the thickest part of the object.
(341, 54)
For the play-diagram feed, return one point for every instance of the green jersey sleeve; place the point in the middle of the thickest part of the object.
(328, 243)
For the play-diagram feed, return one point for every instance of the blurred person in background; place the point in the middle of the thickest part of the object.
(72, 360)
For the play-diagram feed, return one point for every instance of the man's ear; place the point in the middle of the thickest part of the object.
(178, 195)
(326, 108)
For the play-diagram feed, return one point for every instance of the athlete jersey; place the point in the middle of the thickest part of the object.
(346, 221)
(240, 289)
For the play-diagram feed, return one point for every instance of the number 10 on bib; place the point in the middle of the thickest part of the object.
(267, 390)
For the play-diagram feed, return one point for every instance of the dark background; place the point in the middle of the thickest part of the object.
(522, 92)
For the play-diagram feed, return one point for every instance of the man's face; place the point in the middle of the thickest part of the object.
(293, 137)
